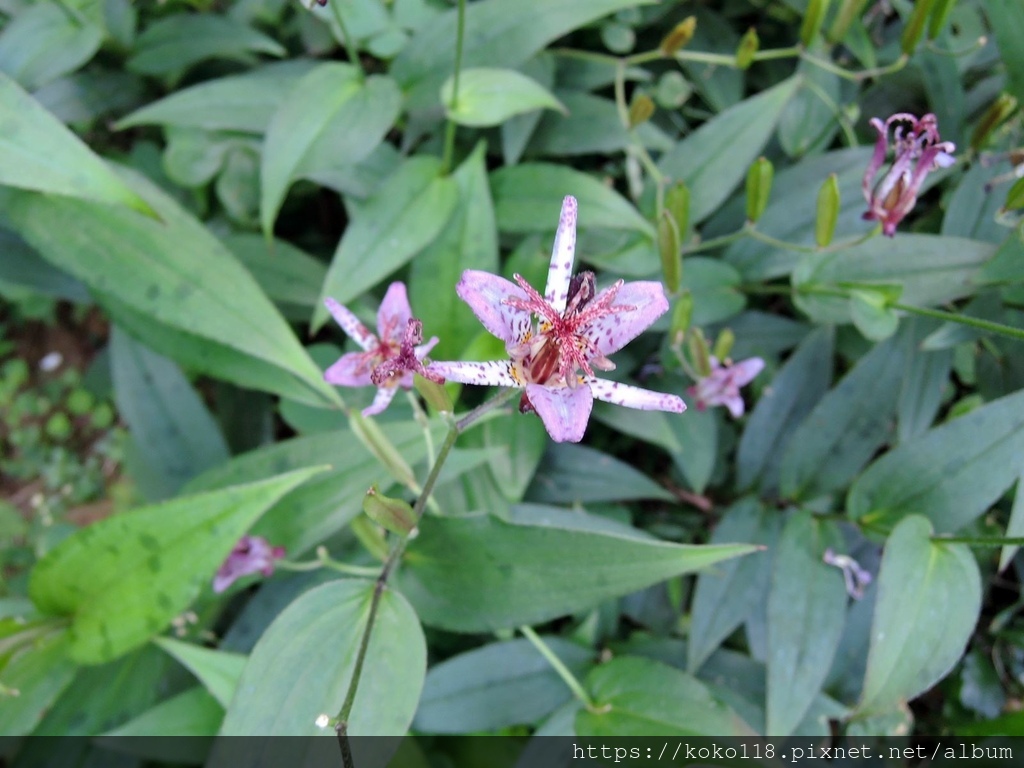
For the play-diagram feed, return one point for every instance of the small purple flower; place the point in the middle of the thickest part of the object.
(722, 385)
(577, 328)
(252, 554)
(388, 360)
(918, 151)
(855, 577)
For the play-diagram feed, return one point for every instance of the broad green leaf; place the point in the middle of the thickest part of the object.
(147, 565)
(288, 275)
(37, 152)
(173, 272)
(974, 205)
(871, 316)
(398, 221)
(39, 670)
(715, 289)
(478, 574)
(498, 33)
(950, 474)
(806, 612)
(808, 121)
(516, 131)
(44, 41)
(491, 96)
(528, 197)
(191, 713)
(715, 158)
(218, 671)
(330, 113)
(640, 697)
(522, 443)
(89, 95)
(1006, 20)
(929, 268)
(929, 599)
(725, 594)
(237, 103)
(496, 686)
(721, 87)
(22, 270)
(176, 435)
(305, 659)
(469, 241)
(783, 405)
(591, 125)
(575, 473)
(924, 383)
(174, 43)
(849, 424)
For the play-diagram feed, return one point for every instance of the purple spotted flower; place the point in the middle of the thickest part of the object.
(553, 361)
(252, 554)
(722, 385)
(918, 151)
(388, 360)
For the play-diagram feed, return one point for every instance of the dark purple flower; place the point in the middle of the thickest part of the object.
(918, 151)
(252, 554)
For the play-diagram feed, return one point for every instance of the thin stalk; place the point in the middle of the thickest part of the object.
(973, 322)
(556, 663)
(717, 242)
(449, 132)
(346, 38)
(856, 77)
(769, 240)
(421, 418)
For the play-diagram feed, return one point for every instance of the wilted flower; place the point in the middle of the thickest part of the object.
(722, 385)
(390, 359)
(918, 151)
(554, 361)
(252, 554)
(855, 577)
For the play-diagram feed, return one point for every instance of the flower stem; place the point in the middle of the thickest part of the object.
(350, 48)
(856, 77)
(449, 132)
(974, 322)
(556, 663)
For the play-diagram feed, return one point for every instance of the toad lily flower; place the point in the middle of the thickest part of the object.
(722, 385)
(577, 328)
(252, 554)
(918, 151)
(388, 361)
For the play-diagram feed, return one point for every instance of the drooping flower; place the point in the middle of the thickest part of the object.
(252, 554)
(388, 360)
(722, 385)
(553, 361)
(855, 577)
(918, 151)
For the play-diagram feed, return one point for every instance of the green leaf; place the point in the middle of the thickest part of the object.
(848, 425)
(37, 152)
(715, 288)
(146, 566)
(218, 671)
(330, 113)
(173, 272)
(191, 713)
(288, 275)
(496, 686)
(1014, 526)
(175, 434)
(44, 41)
(929, 599)
(783, 405)
(491, 96)
(591, 125)
(924, 383)
(806, 613)
(1006, 20)
(306, 658)
(174, 43)
(871, 315)
(237, 103)
(640, 697)
(578, 474)
(528, 197)
(498, 33)
(398, 221)
(39, 671)
(808, 120)
(725, 594)
(950, 474)
(714, 159)
(469, 241)
(477, 573)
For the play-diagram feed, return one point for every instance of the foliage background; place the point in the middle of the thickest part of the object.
(185, 182)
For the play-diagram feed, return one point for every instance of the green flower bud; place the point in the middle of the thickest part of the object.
(828, 211)
(813, 18)
(681, 314)
(939, 15)
(671, 255)
(681, 35)
(677, 203)
(723, 344)
(640, 110)
(748, 47)
(914, 31)
(994, 116)
(759, 187)
(700, 356)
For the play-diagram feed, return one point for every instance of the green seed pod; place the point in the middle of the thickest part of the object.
(393, 514)
(677, 203)
(848, 12)
(681, 35)
(700, 356)
(813, 18)
(748, 47)
(640, 110)
(914, 31)
(681, 315)
(939, 15)
(671, 255)
(723, 344)
(994, 116)
(759, 187)
(828, 211)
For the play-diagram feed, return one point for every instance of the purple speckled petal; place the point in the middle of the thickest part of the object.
(383, 399)
(394, 313)
(745, 370)
(560, 270)
(734, 402)
(351, 370)
(424, 349)
(564, 410)
(351, 325)
(485, 293)
(635, 397)
(612, 332)
(496, 373)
